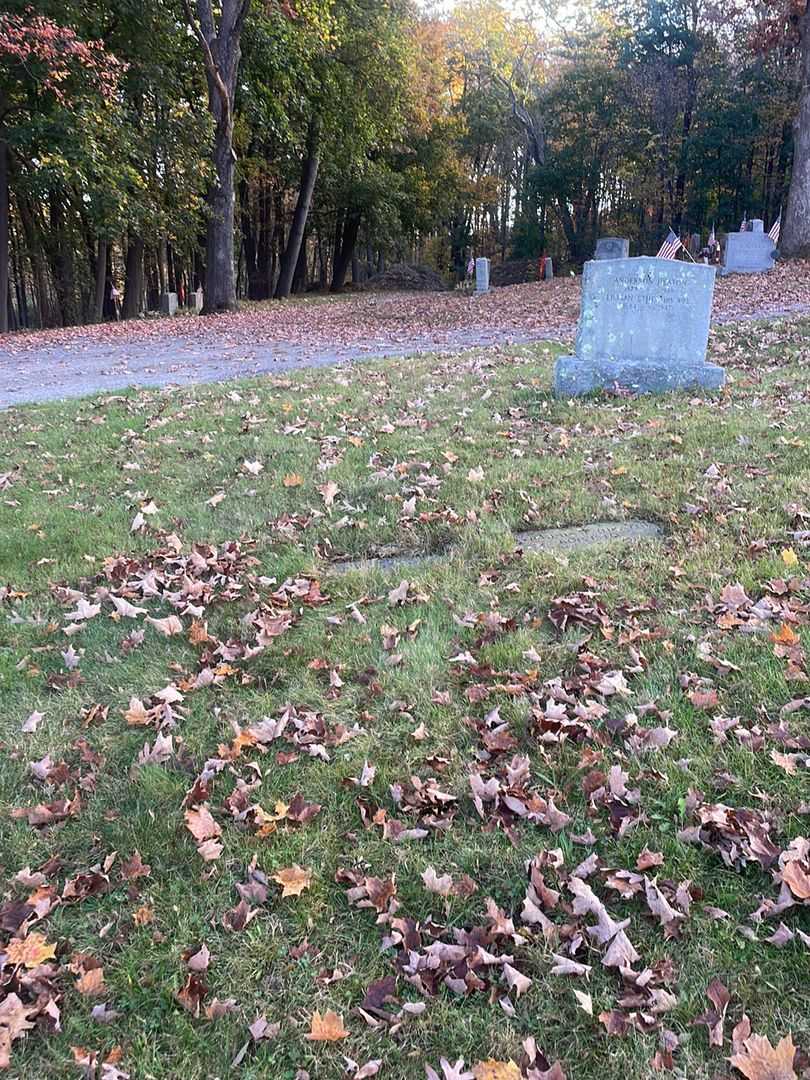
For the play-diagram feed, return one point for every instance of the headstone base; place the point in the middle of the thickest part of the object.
(574, 377)
(724, 271)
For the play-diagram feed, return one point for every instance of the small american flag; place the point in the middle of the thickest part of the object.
(670, 247)
(775, 229)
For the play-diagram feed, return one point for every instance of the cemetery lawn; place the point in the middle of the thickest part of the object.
(390, 681)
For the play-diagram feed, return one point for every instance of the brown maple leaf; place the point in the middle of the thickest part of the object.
(167, 627)
(327, 1028)
(31, 951)
(201, 824)
(761, 1061)
(91, 981)
(293, 880)
(496, 1070)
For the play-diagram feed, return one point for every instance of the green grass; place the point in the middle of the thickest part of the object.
(719, 475)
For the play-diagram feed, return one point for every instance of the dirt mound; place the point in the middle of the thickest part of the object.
(401, 278)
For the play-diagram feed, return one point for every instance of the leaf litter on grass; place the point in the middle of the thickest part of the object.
(566, 756)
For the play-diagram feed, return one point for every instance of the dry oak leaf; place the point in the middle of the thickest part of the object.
(761, 1061)
(328, 492)
(797, 880)
(91, 982)
(327, 1028)
(201, 824)
(144, 915)
(14, 1022)
(137, 714)
(168, 627)
(293, 880)
(496, 1070)
(292, 480)
(31, 951)
(209, 850)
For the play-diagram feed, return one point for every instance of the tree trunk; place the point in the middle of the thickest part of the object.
(62, 262)
(299, 284)
(795, 239)
(134, 280)
(309, 175)
(220, 272)
(4, 215)
(219, 37)
(101, 280)
(18, 265)
(47, 316)
(343, 256)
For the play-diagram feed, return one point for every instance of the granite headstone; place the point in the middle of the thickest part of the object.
(643, 327)
(548, 270)
(750, 252)
(612, 247)
(195, 300)
(482, 275)
(168, 303)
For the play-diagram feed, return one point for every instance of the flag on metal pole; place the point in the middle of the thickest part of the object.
(670, 247)
(775, 229)
(712, 237)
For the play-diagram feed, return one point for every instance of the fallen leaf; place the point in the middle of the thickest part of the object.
(293, 880)
(91, 982)
(326, 1028)
(496, 1070)
(201, 824)
(30, 951)
(761, 1061)
(33, 722)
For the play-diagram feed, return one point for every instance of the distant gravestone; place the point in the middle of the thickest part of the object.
(695, 243)
(482, 275)
(643, 327)
(196, 300)
(548, 270)
(168, 303)
(612, 247)
(750, 252)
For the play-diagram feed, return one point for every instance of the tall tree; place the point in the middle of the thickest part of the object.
(220, 39)
(796, 231)
(4, 219)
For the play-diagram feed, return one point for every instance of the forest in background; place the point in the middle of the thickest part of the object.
(260, 149)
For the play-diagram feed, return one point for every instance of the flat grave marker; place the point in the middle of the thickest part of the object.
(552, 541)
